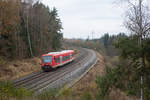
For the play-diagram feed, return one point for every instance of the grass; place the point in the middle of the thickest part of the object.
(47, 95)
(2, 61)
(10, 70)
(8, 91)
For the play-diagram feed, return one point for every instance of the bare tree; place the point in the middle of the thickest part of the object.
(137, 18)
(138, 23)
(29, 5)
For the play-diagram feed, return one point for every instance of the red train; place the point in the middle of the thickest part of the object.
(55, 59)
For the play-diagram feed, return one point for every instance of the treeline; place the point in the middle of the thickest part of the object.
(108, 41)
(28, 29)
(104, 44)
(90, 44)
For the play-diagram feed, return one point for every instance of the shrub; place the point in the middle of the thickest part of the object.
(107, 81)
(47, 95)
(7, 91)
(86, 96)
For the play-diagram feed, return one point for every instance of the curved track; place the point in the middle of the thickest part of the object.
(39, 80)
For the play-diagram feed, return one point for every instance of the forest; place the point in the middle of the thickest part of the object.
(28, 28)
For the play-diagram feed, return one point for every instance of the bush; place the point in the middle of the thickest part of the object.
(106, 82)
(86, 96)
(122, 77)
(7, 91)
(48, 95)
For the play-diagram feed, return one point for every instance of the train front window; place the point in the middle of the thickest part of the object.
(47, 59)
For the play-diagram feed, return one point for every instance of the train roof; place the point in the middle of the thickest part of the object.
(58, 53)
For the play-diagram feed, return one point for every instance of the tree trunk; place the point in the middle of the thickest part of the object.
(29, 39)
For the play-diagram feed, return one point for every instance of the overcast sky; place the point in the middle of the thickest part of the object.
(82, 17)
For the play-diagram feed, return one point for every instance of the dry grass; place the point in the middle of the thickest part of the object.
(18, 68)
(116, 94)
(87, 85)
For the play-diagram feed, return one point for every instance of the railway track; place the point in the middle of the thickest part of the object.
(38, 80)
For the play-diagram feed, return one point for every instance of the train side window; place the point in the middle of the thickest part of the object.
(58, 59)
(64, 58)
